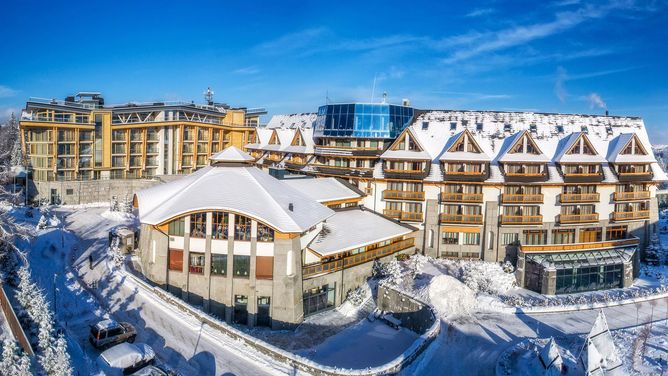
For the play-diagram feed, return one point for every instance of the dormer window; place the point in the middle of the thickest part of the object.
(634, 147)
(507, 128)
(478, 127)
(584, 129)
(533, 128)
(453, 126)
(425, 125)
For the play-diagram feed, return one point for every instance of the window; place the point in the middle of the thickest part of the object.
(425, 125)
(198, 225)
(563, 236)
(471, 238)
(616, 232)
(175, 260)
(450, 237)
(533, 237)
(478, 127)
(69, 191)
(219, 225)
(177, 227)
(318, 299)
(588, 235)
(242, 228)
(241, 266)
(218, 264)
(264, 267)
(196, 263)
(264, 233)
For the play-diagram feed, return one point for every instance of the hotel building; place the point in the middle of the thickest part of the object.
(256, 250)
(82, 139)
(569, 199)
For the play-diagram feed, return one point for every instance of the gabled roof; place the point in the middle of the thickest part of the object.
(450, 155)
(509, 143)
(232, 187)
(353, 228)
(307, 135)
(263, 136)
(324, 189)
(418, 155)
(232, 154)
(282, 138)
(571, 141)
(619, 143)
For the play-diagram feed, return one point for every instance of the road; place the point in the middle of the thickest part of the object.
(471, 345)
(178, 339)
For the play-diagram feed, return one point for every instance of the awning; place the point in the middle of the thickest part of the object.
(570, 260)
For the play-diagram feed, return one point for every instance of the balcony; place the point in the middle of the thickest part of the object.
(520, 198)
(522, 176)
(521, 219)
(465, 219)
(633, 175)
(458, 175)
(568, 198)
(630, 215)
(630, 196)
(310, 271)
(347, 151)
(295, 165)
(578, 218)
(461, 197)
(364, 172)
(407, 174)
(402, 195)
(579, 246)
(403, 215)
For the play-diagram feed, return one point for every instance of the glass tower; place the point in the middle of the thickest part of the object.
(363, 120)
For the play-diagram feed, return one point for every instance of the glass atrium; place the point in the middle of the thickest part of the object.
(374, 120)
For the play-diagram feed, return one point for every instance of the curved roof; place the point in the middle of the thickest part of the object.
(232, 187)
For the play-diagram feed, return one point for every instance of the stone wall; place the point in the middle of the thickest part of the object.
(88, 191)
(413, 314)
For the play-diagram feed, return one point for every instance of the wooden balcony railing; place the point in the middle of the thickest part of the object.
(579, 197)
(360, 258)
(578, 218)
(579, 246)
(628, 196)
(628, 216)
(521, 219)
(403, 215)
(403, 195)
(467, 173)
(522, 198)
(461, 197)
(468, 219)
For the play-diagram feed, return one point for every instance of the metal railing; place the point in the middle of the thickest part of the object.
(360, 258)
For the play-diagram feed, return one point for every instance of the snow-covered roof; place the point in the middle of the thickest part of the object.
(323, 189)
(617, 145)
(463, 155)
(232, 154)
(235, 187)
(106, 324)
(307, 136)
(550, 356)
(568, 142)
(354, 228)
(263, 135)
(302, 120)
(506, 156)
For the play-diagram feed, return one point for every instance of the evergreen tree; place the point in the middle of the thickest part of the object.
(13, 362)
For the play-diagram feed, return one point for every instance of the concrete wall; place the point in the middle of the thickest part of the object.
(88, 191)
(413, 314)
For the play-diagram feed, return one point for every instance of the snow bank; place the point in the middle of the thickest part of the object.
(487, 277)
(118, 216)
(450, 297)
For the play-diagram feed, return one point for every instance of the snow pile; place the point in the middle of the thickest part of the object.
(118, 216)
(450, 297)
(54, 221)
(487, 277)
(392, 273)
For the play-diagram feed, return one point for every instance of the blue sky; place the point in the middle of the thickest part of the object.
(566, 56)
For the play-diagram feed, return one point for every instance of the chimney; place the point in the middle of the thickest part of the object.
(606, 112)
(291, 207)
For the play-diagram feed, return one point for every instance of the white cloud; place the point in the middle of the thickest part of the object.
(595, 101)
(6, 91)
(480, 12)
(247, 70)
(559, 84)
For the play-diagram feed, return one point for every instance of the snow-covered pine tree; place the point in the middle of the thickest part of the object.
(16, 157)
(14, 362)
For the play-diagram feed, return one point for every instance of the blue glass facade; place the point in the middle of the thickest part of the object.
(374, 120)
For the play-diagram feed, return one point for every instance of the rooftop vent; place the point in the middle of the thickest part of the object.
(507, 128)
(584, 129)
(608, 129)
(478, 127)
(291, 207)
(533, 128)
(453, 126)
(560, 129)
(425, 125)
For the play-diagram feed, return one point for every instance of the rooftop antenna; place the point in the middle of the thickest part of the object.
(208, 96)
(327, 97)
(373, 88)
(384, 97)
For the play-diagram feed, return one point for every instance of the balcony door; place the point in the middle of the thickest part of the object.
(589, 235)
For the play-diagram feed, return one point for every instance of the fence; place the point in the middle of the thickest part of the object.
(13, 322)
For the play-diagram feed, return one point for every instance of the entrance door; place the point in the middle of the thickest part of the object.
(241, 309)
(263, 316)
(54, 196)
